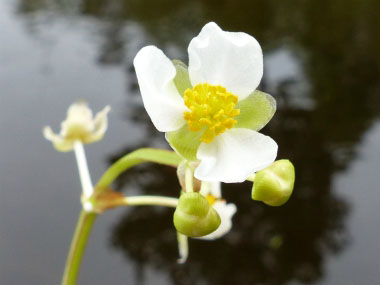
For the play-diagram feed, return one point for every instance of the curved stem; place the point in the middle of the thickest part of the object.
(78, 245)
(142, 155)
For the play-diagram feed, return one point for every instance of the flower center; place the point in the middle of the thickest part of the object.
(212, 109)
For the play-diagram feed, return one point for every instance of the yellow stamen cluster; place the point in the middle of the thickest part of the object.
(212, 109)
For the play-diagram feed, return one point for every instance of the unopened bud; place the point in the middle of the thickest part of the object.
(274, 185)
(194, 216)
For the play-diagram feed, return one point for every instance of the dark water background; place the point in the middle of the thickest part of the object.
(322, 64)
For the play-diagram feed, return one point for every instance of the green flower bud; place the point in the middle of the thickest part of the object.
(194, 216)
(274, 184)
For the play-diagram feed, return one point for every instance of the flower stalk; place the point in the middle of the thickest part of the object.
(189, 179)
(78, 245)
(147, 201)
(85, 221)
(84, 173)
(183, 248)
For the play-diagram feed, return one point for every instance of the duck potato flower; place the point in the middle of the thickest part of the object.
(211, 111)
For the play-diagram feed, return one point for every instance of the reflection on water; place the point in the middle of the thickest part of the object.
(334, 46)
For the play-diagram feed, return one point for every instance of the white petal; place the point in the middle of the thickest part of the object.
(216, 189)
(155, 74)
(234, 155)
(213, 188)
(233, 60)
(226, 212)
(59, 142)
(100, 125)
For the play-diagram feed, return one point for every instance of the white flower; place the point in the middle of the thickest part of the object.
(78, 126)
(225, 211)
(215, 118)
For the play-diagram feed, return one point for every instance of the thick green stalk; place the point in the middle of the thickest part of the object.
(78, 245)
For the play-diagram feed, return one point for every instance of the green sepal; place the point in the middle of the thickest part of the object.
(274, 185)
(185, 142)
(194, 216)
(255, 111)
(181, 79)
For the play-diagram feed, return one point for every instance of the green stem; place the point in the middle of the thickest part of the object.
(160, 156)
(78, 245)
